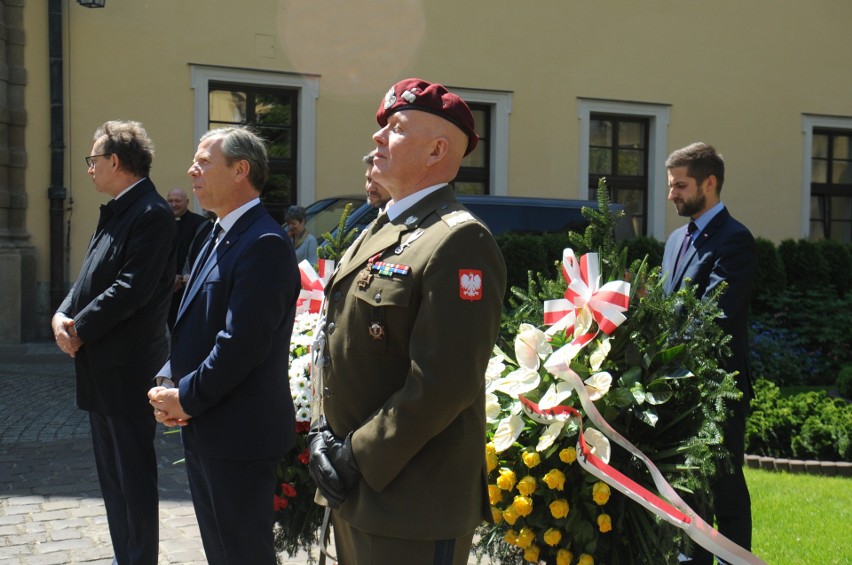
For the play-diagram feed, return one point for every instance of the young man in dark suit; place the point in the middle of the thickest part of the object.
(230, 353)
(711, 249)
(113, 323)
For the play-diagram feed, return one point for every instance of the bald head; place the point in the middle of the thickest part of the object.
(179, 201)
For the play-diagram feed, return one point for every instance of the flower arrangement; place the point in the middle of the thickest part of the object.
(297, 517)
(619, 359)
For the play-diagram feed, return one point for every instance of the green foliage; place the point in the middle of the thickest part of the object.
(668, 397)
(838, 260)
(525, 253)
(770, 279)
(336, 245)
(643, 246)
(780, 355)
(802, 426)
(844, 382)
(805, 266)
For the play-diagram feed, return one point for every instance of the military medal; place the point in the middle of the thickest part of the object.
(365, 277)
(408, 241)
(377, 331)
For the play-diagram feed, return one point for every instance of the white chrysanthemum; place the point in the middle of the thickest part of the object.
(303, 414)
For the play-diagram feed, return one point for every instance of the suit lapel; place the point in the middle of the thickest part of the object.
(228, 242)
(700, 240)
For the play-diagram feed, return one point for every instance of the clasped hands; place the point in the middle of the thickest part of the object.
(65, 334)
(332, 463)
(167, 408)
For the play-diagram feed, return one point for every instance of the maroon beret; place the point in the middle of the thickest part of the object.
(417, 94)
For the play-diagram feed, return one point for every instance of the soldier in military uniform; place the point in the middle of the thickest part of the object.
(412, 314)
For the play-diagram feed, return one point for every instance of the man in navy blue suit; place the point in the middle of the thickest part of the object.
(113, 323)
(711, 249)
(229, 357)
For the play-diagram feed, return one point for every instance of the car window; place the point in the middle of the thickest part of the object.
(323, 215)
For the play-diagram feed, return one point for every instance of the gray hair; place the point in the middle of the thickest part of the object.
(242, 144)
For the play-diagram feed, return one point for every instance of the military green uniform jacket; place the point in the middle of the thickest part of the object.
(413, 313)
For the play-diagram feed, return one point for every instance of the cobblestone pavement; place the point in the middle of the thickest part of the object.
(51, 511)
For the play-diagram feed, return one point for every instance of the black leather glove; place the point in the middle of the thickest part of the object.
(321, 469)
(342, 459)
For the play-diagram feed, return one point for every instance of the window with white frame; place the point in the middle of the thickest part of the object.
(486, 169)
(626, 142)
(830, 178)
(281, 108)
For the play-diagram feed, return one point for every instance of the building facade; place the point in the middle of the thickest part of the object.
(564, 91)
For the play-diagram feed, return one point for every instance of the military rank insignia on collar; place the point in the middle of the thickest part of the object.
(470, 284)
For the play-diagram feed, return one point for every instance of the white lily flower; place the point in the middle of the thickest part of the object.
(531, 346)
(492, 407)
(549, 436)
(598, 356)
(598, 444)
(598, 385)
(555, 395)
(583, 323)
(507, 432)
(518, 382)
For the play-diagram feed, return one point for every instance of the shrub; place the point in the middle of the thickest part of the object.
(838, 260)
(770, 280)
(844, 382)
(642, 246)
(805, 266)
(778, 355)
(803, 426)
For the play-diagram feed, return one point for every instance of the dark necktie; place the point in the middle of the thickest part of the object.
(690, 229)
(208, 247)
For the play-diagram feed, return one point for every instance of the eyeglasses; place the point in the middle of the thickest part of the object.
(90, 159)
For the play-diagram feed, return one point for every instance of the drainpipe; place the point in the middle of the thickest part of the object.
(57, 191)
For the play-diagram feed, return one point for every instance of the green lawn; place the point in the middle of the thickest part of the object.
(801, 519)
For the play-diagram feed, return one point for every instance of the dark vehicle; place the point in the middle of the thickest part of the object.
(502, 214)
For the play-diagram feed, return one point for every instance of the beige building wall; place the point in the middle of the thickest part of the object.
(739, 75)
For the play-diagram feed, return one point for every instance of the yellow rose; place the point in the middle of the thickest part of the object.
(586, 559)
(511, 537)
(531, 458)
(527, 485)
(496, 515)
(491, 457)
(600, 493)
(507, 479)
(564, 557)
(604, 523)
(555, 479)
(525, 538)
(559, 508)
(495, 495)
(511, 515)
(531, 554)
(523, 505)
(552, 536)
(568, 455)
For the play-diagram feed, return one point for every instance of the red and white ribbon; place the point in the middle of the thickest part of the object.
(313, 285)
(670, 507)
(605, 303)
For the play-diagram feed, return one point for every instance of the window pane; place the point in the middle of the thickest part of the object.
(274, 109)
(277, 195)
(465, 187)
(634, 202)
(278, 142)
(842, 147)
(477, 157)
(600, 132)
(819, 171)
(841, 219)
(841, 172)
(631, 135)
(820, 146)
(227, 106)
(631, 163)
(817, 216)
(600, 161)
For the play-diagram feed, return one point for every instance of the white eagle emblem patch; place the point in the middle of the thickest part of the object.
(390, 98)
(470, 284)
